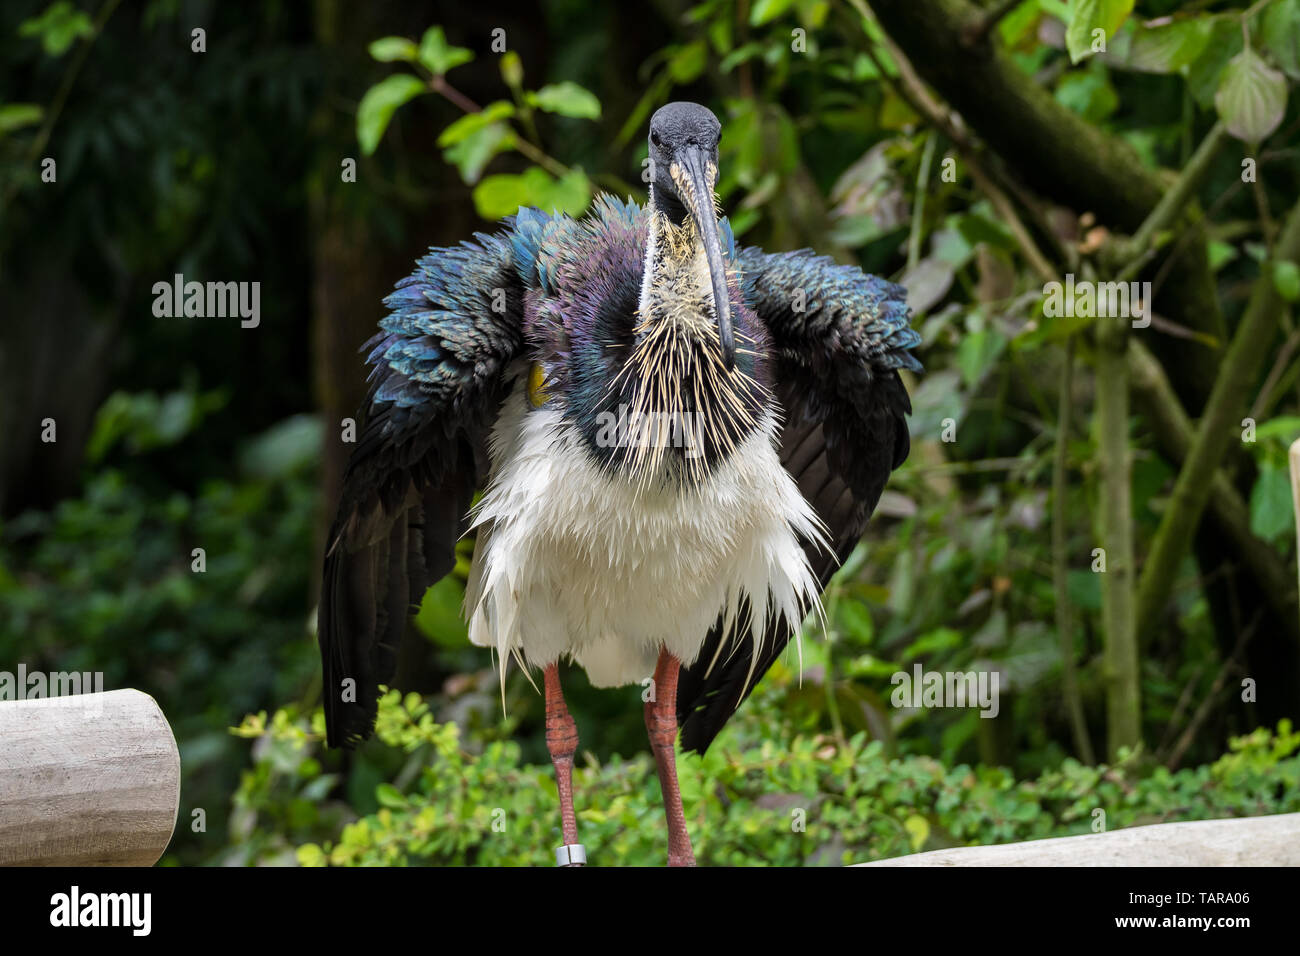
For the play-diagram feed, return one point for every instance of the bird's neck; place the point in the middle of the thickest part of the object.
(673, 377)
(667, 204)
(676, 288)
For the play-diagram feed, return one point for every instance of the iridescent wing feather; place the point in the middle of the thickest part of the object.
(441, 367)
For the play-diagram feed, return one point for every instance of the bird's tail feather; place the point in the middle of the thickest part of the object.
(381, 558)
(366, 598)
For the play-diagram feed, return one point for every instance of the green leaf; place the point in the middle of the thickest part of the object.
(1221, 253)
(1286, 279)
(377, 106)
(977, 354)
(1088, 16)
(17, 115)
(471, 154)
(1205, 71)
(439, 617)
(309, 854)
(1167, 48)
(765, 11)
(1284, 428)
(853, 620)
(390, 796)
(1280, 35)
(499, 196)
(1271, 513)
(471, 123)
(1251, 98)
(58, 27)
(567, 99)
(688, 62)
(1088, 93)
(390, 49)
(940, 639)
(743, 53)
(512, 69)
(438, 56)
(918, 831)
(1020, 25)
(975, 228)
(927, 283)
(570, 194)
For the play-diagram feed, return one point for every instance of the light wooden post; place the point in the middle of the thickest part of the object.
(1247, 841)
(87, 780)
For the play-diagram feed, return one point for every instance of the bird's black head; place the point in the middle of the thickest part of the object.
(676, 130)
(684, 170)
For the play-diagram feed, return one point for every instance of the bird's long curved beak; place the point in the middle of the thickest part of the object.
(697, 172)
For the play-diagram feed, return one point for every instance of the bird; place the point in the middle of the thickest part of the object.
(674, 443)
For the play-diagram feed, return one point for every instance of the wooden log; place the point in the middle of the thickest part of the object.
(87, 780)
(1245, 841)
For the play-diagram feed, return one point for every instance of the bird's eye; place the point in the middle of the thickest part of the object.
(654, 138)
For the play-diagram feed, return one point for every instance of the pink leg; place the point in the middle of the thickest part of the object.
(562, 742)
(661, 725)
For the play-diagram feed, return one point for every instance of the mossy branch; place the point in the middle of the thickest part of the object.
(1062, 156)
(1230, 516)
(1061, 562)
(1217, 429)
(1115, 527)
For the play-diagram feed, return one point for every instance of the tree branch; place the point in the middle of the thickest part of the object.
(1173, 433)
(1174, 202)
(1115, 517)
(1229, 399)
(1061, 562)
(977, 32)
(1062, 156)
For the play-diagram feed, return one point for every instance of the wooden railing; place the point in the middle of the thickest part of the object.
(87, 780)
(1246, 841)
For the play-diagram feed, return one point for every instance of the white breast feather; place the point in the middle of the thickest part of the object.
(575, 559)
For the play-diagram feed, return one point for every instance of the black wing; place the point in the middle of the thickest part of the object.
(441, 369)
(838, 338)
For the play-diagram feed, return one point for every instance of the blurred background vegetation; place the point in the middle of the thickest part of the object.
(974, 153)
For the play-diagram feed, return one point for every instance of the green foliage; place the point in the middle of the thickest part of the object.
(1280, 37)
(438, 56)
(58, 27)
(1092, 22)
(377, 106)
(567, 99)
(17, 115)
(808, 801)
(503, 194)
(1272, 514)
(1251, 98)
(145, 421)
(473, 141)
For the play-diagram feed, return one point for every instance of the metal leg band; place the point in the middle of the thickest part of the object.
(571, 854)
